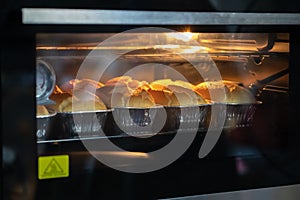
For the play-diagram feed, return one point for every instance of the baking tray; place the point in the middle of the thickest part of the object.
(186, 118)
(237, 115)
(44, 123)
(161, 119)
(137, 121)
(82, 123)
(142, 122)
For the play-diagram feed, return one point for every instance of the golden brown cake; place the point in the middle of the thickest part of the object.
(117, 91)
(118, 81)
(214, 86)
(41, 110)
(162, 97)
(58, 98)
(240, 95)
(141, 99)
(233, 92)
(175, 93)
(81, 101)
(82, 84)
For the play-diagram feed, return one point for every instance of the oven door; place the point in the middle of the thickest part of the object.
(239, 160)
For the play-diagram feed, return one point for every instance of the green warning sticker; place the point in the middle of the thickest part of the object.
(53, 166)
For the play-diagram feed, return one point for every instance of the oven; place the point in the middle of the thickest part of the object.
(150, 104)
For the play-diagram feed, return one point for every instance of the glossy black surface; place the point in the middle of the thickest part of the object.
(273, 161)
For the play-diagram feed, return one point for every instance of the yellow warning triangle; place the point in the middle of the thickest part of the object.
(53, 168)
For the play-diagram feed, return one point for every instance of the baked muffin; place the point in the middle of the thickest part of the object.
(214, 86)
(81, 101)
(233, 92)
(175, 93)
(58, 98)
(162, 97)
(240, 95)
(117, 91)
(140, 99)
(82, 84)
(41, 110)
(84, 99)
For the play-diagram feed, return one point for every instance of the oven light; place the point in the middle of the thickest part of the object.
(183, 36)
(167, 46)
(183, 48)
(194, 49)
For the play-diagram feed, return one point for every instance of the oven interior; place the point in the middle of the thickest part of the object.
(246, 155)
